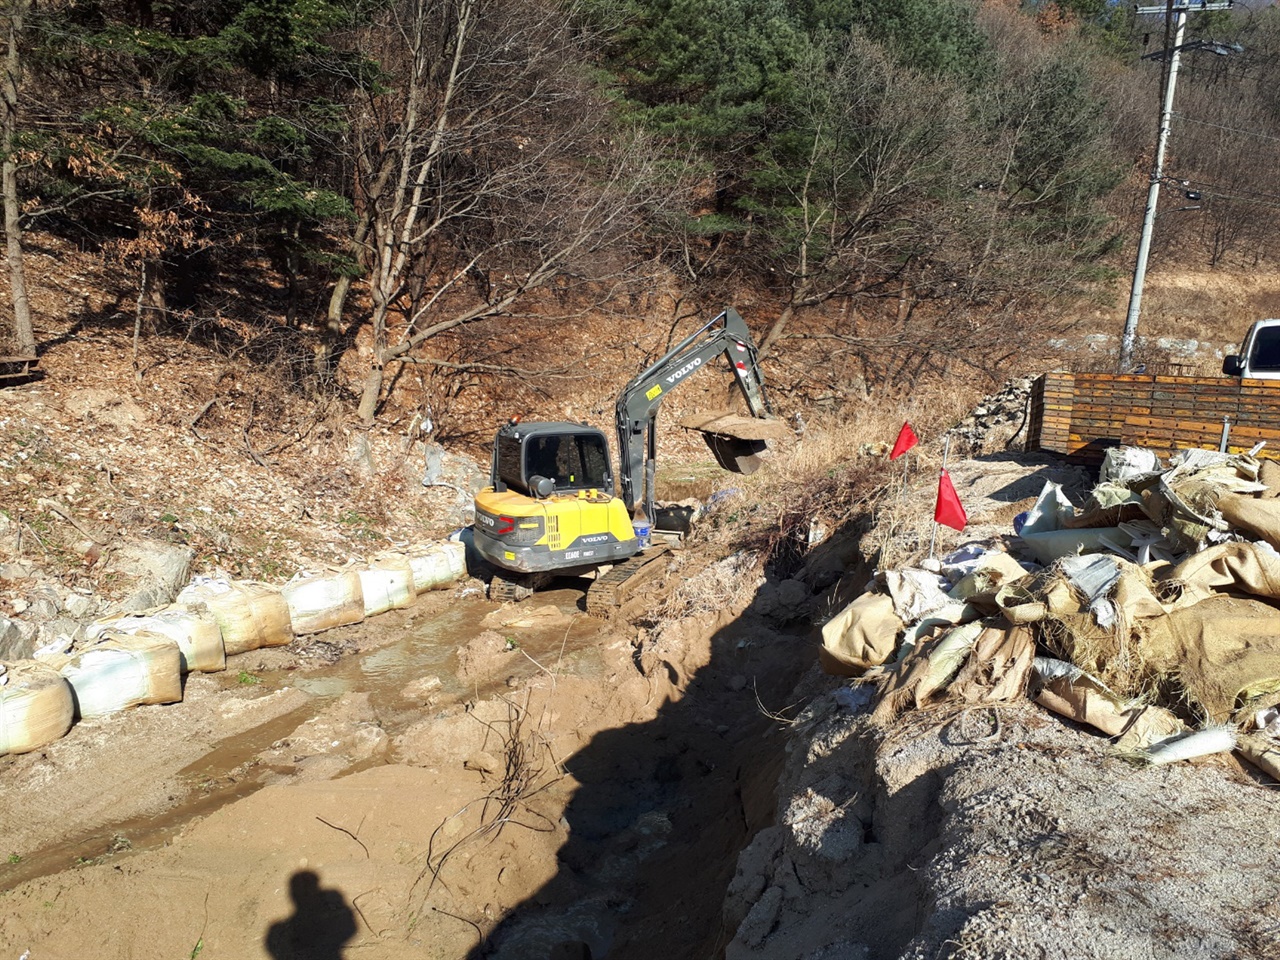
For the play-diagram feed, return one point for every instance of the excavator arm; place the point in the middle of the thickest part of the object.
(637, 407)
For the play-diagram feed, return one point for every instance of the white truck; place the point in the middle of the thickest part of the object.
(1259, 356)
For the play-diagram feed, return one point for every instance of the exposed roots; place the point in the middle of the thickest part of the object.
(529, 768)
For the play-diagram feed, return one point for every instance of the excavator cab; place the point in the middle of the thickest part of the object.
(550, 507)
(549, 458)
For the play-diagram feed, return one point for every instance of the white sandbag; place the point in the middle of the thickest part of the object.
(36, 706)
(437, 565)
(386, 586)
(193, 629)
(250, 615)
(321, 603)
(122, 671)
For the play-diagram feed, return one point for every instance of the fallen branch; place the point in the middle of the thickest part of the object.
(454, 916)
(559, 374)
(97, 536)
(348, 833)
(253, 404)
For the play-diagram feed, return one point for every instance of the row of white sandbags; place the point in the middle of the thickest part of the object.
(139, 659)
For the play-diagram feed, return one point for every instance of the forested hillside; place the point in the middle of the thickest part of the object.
(344, 190)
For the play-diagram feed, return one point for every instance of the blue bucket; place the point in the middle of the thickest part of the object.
(642, 528)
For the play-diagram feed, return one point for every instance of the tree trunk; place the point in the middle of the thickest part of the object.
(23, 332)
(779, 325)
(372, 391)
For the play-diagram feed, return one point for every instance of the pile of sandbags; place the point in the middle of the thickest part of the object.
(1152, 613)
(135, 659)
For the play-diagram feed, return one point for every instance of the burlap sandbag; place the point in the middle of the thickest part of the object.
(1242, 567)
(999, 667)
(1262, 752)
(1086, 700)
(862, 635)
(927, 669)
(1135, 594)
(994, 571)
(1030, 601)
(1269, 473)
(1223, 650)
(1253, 515)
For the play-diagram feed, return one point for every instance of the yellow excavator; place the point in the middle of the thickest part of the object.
(552, 508)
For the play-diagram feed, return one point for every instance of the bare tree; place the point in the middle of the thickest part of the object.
(12, 13)
(490, 172)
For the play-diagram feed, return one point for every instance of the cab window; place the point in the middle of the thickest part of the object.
(572, 461)
(1266, 350)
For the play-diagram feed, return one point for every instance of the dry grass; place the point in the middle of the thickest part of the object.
(721, 586)
(835, 472)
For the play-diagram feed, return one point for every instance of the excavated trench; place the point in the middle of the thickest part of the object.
(654, 813)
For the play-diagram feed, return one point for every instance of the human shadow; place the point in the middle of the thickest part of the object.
(321, 923)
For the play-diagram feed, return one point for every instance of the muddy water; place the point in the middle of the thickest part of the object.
(406, 647)
(428, 646)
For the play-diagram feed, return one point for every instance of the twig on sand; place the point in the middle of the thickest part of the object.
(348, 833)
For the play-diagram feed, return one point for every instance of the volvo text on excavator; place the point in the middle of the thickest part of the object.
(552, 507)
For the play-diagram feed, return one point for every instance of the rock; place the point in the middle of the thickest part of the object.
(80, 607)
(360, 455)
(755, 866)
(760, 921)
(105, 408)
(443, 468)
(58, 628)
(42, 608)
(9, 538)
(149, 573)
(783, 602)
(17, 639)
(825, 836)
(421, 689)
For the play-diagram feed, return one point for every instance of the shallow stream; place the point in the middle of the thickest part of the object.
(397, 649)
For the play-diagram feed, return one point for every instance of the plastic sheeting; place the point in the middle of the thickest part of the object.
(36, 706)
(387, 586)
(321, 603)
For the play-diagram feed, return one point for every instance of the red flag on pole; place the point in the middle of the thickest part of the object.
(906, 440)
(949, 510)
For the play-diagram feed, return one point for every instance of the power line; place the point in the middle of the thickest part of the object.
(1219, 126)
(1210, 189)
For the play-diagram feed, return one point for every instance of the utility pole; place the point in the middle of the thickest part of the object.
(1175, 12)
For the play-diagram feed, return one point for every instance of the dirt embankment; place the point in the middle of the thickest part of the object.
(1000, 829)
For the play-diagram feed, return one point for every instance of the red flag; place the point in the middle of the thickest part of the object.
(906, 440)
(949, 509)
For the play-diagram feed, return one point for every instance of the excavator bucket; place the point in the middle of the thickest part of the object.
(735, 454)
(736, 441)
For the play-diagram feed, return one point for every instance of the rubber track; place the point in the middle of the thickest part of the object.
(512, 588)
(608, 591)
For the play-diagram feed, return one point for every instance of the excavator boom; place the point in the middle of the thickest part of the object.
(637, 407)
